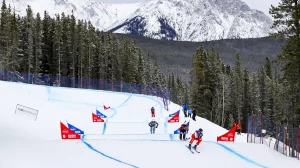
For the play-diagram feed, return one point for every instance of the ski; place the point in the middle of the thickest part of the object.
(196, 150)
(189, 149)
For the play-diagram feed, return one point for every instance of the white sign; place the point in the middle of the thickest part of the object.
(23, 110)
(263, 131)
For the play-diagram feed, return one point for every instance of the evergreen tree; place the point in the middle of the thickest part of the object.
(246, 108)
(37, 47)
(47, 47)
(14, 52)
(73, 33)
(238, 76)
(4, 35)
(287, 15)
(57, 43)
(141, 70)
(29, 31)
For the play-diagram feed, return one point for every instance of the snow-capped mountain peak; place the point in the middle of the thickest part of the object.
(182, 20)
(196, 20)
(102, 15)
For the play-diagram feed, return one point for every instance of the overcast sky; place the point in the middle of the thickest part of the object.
(262, 5)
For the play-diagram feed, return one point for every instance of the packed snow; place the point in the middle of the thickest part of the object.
(124, 140)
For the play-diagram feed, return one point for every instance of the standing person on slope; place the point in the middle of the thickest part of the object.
(190, 113)
(196, 136)
(153, 124)
(185, 108)
(152, 112)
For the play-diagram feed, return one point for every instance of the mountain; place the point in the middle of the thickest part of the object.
(196, 20)
(179, 20)
(176, 56)
(101, 15)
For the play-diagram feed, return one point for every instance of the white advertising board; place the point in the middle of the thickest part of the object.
(26, 111)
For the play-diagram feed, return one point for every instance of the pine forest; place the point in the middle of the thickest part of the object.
(65, 46)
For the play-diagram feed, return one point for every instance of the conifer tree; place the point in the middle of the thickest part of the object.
(29, 30)
(286, 18)
(37, 47)
(73, 33)
(57, 43)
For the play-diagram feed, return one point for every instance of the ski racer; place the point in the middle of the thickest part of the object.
(197, 135)
(152, 112)
(153, 124)
(184, 128)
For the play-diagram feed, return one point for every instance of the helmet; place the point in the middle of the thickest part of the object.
(200, 132)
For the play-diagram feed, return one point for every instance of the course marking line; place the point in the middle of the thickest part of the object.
(103, 154)
(239, 155)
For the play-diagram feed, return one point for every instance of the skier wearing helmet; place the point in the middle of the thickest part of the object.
(196, 136)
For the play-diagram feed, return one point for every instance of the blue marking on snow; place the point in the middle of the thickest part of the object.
(171, 137)
(239, 155)
(104, 128)
(115, 112)
(122, 104)
(124, 101)
(105, 91)
(103, 154)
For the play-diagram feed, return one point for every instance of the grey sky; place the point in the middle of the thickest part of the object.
(262, 5)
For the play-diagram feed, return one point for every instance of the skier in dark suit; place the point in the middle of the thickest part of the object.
(153, 124)
(183, 131)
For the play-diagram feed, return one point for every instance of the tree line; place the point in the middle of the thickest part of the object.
(223, 94)
(65, 46)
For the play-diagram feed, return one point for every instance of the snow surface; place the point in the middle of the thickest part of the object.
(123, 141)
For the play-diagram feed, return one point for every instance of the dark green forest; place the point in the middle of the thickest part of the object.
(64, 46)
(218, 91)
(176, 56)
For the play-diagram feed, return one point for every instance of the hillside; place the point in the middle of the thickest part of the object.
(124, 139)
(175, 56)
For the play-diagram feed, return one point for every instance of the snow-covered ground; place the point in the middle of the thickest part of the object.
(124, 140)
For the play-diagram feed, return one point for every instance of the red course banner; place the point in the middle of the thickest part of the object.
(96, 118)
(228, 137)
(174, 119)
(106, 108)
(66, 133)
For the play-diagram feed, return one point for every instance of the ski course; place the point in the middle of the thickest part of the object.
(124, 140)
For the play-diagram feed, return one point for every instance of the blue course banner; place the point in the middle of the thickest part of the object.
(172, 115)
(74, 129)
(99, 114)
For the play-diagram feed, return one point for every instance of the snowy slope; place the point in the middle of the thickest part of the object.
(196, 20)
(124, 141)
(102, 15)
